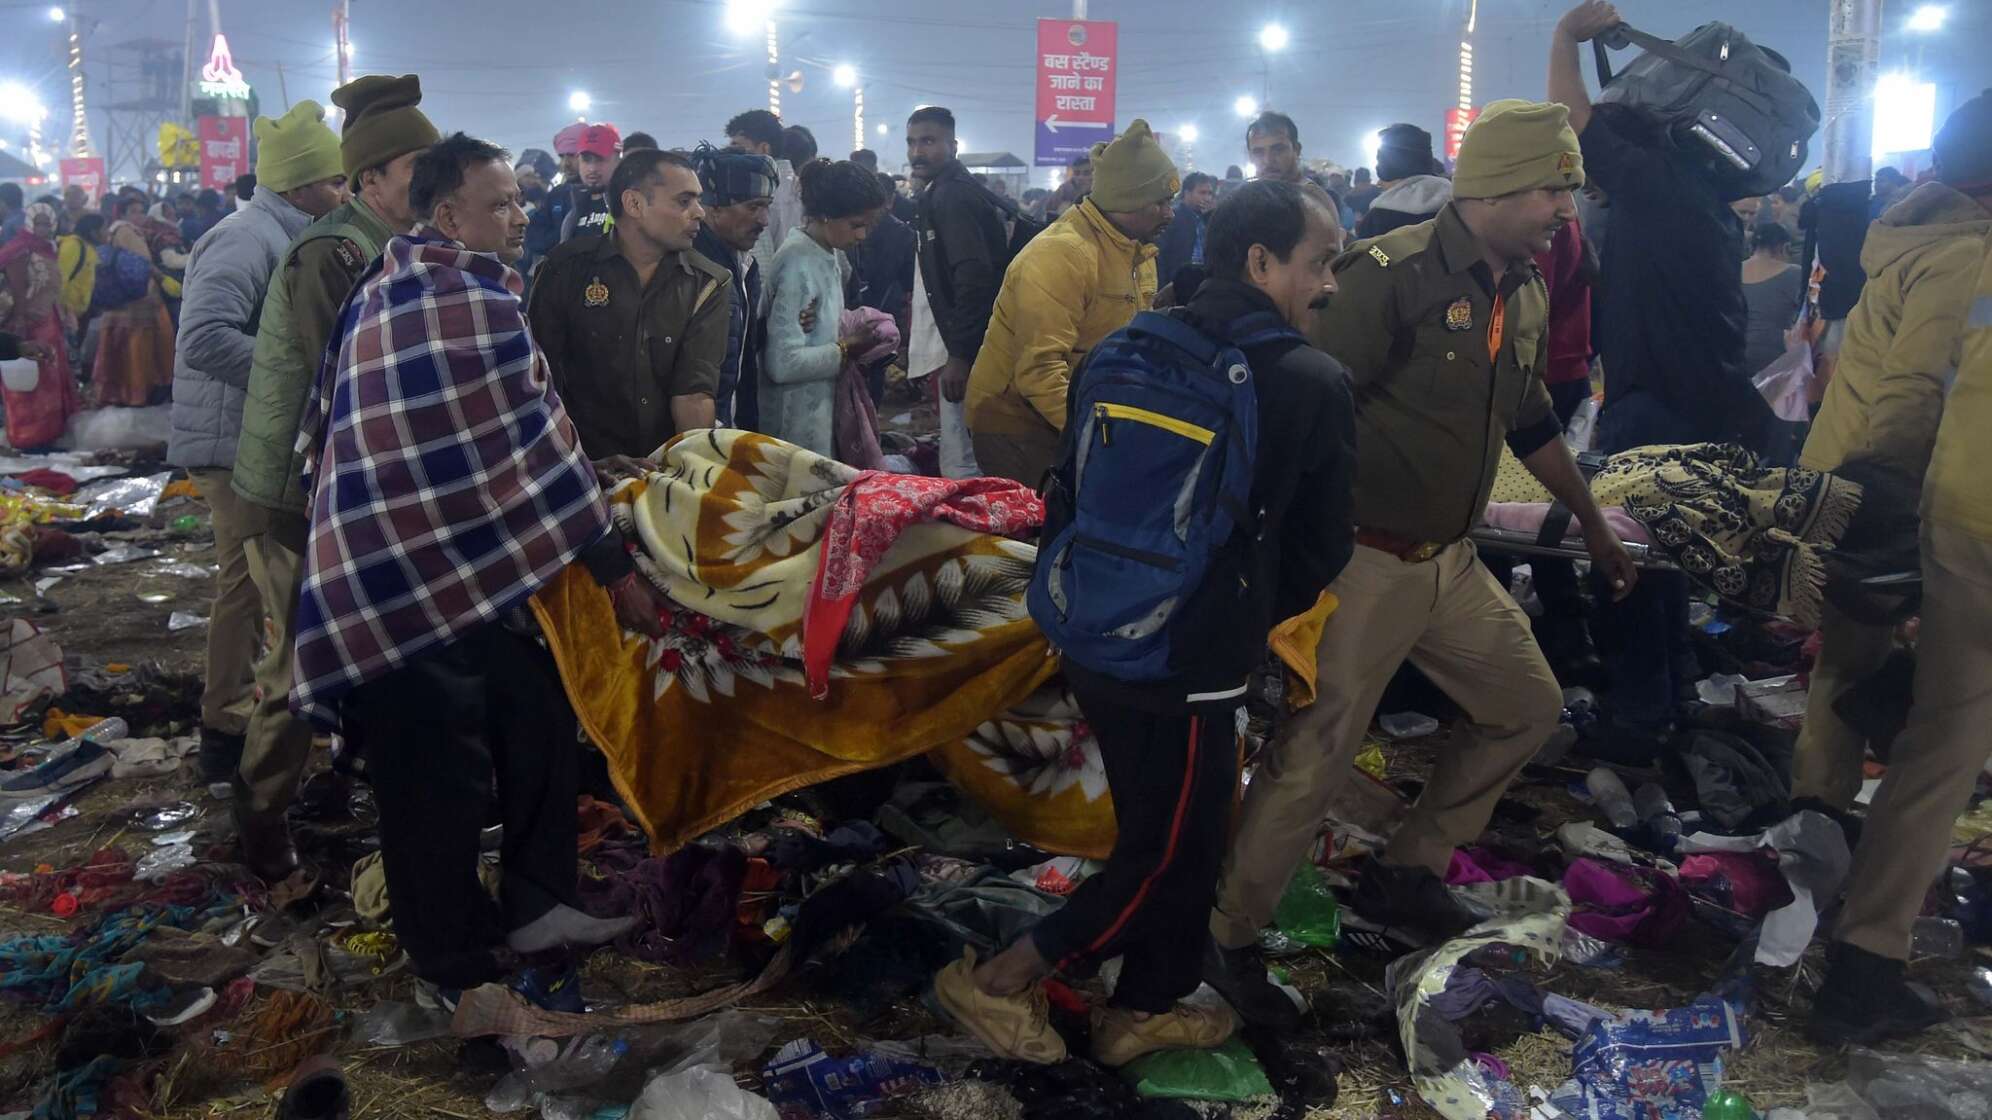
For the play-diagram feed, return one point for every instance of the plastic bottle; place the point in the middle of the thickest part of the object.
(1728, 1105)
(1650, 802)
(1612, 797)
(1936, 937)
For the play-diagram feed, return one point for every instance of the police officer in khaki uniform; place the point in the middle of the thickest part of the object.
(383, 133)
(1441, 325)
(634, 321)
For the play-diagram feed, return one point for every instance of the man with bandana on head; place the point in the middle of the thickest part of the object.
(739, 189)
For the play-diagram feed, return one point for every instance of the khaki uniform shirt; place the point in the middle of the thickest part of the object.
(1414, 322)
(620, 350)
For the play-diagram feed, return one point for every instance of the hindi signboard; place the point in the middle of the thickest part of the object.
(224, 150)
(86, 172)
(1077, 64)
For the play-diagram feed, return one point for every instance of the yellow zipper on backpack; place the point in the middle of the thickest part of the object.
(1107, 411)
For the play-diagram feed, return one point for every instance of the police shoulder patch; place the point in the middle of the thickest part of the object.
(348, 253)
(1382, 258)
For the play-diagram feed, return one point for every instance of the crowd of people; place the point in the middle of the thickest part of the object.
(407, 365)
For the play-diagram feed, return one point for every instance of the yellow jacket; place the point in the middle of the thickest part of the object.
(1957, 491)
(1072, 286)
(76, 263)
(1922, 259)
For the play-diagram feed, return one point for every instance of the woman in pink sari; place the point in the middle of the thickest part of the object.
(29, 308)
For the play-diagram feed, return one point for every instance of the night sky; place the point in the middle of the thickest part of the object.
(504, 68)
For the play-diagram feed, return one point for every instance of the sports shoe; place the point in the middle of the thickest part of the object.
(1864, 999)
(551, 989)
(1239, 975)
(1016, 1026)
(221, 755)
(79, 767)
(1411, 897)
(1119, 1038)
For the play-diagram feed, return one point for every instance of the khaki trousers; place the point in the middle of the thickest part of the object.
(1827, 763)
(1020, 458)
(235, 622)
(278, 745)
(1937, 758)
(1451, 619)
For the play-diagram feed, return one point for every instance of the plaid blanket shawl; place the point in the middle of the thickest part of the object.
(448, 484)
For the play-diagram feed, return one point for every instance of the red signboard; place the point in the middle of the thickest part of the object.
(1077, 64)
(1458, 120)
(86, 172)
(224, 150)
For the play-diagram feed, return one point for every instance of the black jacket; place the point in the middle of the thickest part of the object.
(882, 266)
(1303, 495)
(963, 250)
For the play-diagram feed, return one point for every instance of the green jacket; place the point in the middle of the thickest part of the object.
(1413, 321)
(316, 275)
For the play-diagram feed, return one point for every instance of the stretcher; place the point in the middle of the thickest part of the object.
(1514, 542)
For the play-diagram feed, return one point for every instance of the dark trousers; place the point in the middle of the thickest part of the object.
(1644, 639)
(483, 717)
(1172, 778)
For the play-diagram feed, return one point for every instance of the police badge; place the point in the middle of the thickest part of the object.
(596, 294)
(1459, 316)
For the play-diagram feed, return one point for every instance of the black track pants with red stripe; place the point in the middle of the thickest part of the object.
(1172, 778)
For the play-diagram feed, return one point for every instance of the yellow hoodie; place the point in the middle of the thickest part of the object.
(1072, 286)
(1922, 260)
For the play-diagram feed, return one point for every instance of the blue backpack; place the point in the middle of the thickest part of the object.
(1155, 474)
(122, 277)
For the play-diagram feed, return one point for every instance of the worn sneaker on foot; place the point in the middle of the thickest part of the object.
(1119, 1038)
(565, 926)
(79, 767)
(1411, 897)
(1864, 999)
(1017, 1026)
(1239, 975)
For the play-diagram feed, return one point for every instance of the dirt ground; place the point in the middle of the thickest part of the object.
(122, 659)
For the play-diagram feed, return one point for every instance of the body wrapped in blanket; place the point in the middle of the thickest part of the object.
(896, 600)
(1759, 537)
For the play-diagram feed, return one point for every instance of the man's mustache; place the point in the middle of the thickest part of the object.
(1320, 302)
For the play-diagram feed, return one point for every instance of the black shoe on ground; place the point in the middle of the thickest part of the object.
(1864, 1000)
(1849, 823)
(1239, 975)
(221, 755)
(1410, 898)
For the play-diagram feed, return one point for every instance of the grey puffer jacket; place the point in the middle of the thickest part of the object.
(227, 276)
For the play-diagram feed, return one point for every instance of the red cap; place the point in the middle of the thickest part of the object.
(600, 139)
(567, 141)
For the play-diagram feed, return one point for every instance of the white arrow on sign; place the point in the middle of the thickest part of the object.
(1052, 124)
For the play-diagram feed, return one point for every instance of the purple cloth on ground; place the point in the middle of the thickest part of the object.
(1628, 905)
(1746, 882)
(1482, 865)
(686, 902)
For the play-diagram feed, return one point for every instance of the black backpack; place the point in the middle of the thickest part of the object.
(1020, 226)
(1720, 89)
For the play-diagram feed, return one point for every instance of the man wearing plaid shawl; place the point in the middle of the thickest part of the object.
(448, 486)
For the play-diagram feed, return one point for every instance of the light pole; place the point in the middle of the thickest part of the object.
(19, 104)
(579, 102)
(1188, 134)
(1245, 107)
(846, 77)
(744, 17)
(1273, 38)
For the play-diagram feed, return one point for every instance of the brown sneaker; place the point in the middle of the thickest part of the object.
(1119, 1038)
(1016, 1026)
